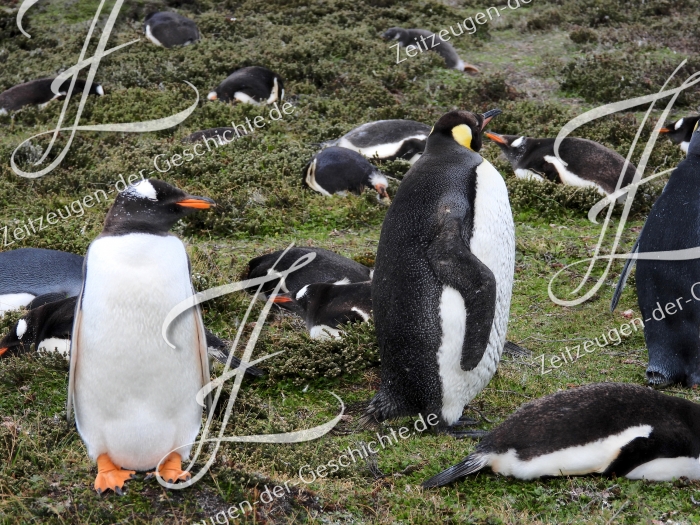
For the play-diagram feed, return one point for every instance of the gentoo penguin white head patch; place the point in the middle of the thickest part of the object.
(513, 146)
(143, 189)
(21, 328)
(463, 127)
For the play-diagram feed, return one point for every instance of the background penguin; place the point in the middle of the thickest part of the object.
(30, 272)
(429, 41)
(387, 139)
(168, 29)
(586, 163)
(221, 135)
(443, 277)
(681, 131)
(39, 92)
(251, 85)
(605, 428)
(134, 395)
(339, 170)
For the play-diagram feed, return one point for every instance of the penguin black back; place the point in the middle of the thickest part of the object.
(252, 85)
(387, 139)
(426, 40)
(39, 92)
(170, 29)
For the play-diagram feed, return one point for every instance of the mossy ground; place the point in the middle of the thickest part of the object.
(542, 64)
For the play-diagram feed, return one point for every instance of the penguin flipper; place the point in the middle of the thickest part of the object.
(202, 349)
(472, 463)
(455, 266)
(629, 264)
(73, 355)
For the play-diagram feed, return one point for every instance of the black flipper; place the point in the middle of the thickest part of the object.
(218, 349)
(515, 350)
(629, 264)
(472, 463)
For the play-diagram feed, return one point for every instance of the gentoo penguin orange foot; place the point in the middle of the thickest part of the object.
(110, 476)
(171, 469)
(426, 40)
(250, 85)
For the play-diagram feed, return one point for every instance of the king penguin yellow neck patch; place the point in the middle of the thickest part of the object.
(463, 135)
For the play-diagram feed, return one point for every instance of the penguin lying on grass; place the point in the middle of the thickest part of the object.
(337, 170)
(443, 277)
(428, 41)
(135, 395)
(585, 163)
(168, 29)
(681, 131)
(250, 85)
(613, 429)
(39, 92)
(386, 139)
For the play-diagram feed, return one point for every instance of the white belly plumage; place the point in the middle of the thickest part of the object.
(570, 178)
(493, 242)
(134, 395)
(381, 151)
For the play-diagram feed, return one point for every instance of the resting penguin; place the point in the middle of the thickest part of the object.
(251, 85)
(613, 429)
(168, 29)
(134, 395)
(39, 92)
(428, 41)
(339, 170)
(666, 288)
(681, 131)
(29, 272)
(443, 277)
(586, 163)
(387, 139)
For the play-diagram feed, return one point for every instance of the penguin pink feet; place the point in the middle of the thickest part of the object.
(110, 476)
(171, 469)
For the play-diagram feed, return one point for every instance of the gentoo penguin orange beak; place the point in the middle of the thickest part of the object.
(665, 130)
(489, 115)
(496, 138)
(279, 299)
(198, 203)
(3, 350)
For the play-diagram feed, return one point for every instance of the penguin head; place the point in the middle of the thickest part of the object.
(463, 127)
(513, 146)
(151, 206)
(378, 181)
(396, 33)
(681, 130)
(22, 332)
(95, 88)
(694, 146)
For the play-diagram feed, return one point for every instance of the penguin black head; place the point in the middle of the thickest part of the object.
(14, 339)
(464, 127)
(681, 130)
(151, 206)
(396, 33)
(513, 146)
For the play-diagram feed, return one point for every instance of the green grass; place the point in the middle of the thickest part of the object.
(338, 74)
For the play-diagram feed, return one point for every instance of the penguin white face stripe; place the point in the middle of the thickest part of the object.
(144, 189)
(572, 179)
(21, 328)
(364, 315)
(301, 293)
(517, 142)
(678, 124)
(666, 469)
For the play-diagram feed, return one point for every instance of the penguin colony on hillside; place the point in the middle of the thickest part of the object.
(439, 295)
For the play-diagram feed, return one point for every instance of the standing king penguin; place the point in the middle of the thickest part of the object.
(443, 277)
(134, 395)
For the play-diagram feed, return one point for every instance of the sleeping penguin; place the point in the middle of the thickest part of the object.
(134, 395)
(681, 131)
(613, 429)
(387, 139)
(168, 29)
(250, 85)
(585, 163)
(337, 170)
(443, 277)
(428, 41)
(39, 92)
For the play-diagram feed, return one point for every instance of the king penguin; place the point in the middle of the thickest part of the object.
(39, 92)
(443, 277)
(134, 395)
(169, 29)
(426, 40)
(250, 85)
(613, 429)
(681, 131)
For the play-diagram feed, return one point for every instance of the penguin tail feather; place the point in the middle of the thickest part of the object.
(472, 463)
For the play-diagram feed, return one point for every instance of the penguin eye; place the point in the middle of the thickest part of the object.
(463, 135)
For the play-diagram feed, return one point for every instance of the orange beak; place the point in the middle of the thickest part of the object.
(496, 138)
(664, 130)
(3, 350)
(278, 299)
(198, 203)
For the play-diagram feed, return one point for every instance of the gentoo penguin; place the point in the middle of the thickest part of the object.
(585, 163)
(681, 131)
(251, 85)
(169, 29)
(39, 92)
(221, 135)
(605, 428)
(443, 277)
(134, 395)
(30, 272)
(49, 323)
(666, 289)
(339, 170)
(387, 139)
(326, 306)
(428, 41)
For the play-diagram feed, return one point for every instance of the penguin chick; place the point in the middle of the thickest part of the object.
(583, 163)
(428, 41)
(39, 92)
(339, 170)
(168, 29)
(250, 85)
(443, 277)
(387, 139)
(681, 131)
(613, 429)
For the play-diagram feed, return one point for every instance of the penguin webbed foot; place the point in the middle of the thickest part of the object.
(109, 476)
(171, 469)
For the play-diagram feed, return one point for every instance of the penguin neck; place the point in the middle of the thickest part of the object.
(115, 226)
(444, 144)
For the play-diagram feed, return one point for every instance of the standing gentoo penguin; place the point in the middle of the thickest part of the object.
(39, 92)
(585, 163)
(169, 29)
(428, 41)
(681, 131)
(443, 277)
(251, 85)
(339, 170)
(30, 272)
(134, 395)
(605, 428)
(387, 139)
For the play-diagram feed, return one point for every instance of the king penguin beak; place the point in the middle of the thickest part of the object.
(198, 203)
(489, 115)
(496, 138)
